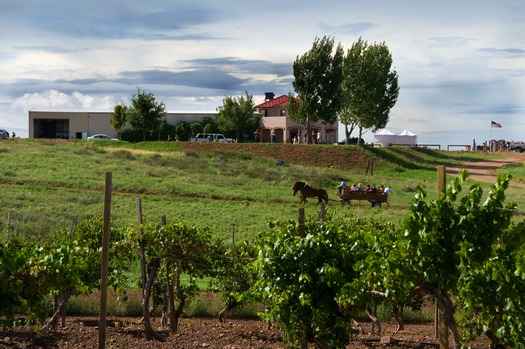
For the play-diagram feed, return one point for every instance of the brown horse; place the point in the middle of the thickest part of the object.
(307, 191)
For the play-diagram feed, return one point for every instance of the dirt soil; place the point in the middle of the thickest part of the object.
(331, 157)
(82, 332)
(125, 333)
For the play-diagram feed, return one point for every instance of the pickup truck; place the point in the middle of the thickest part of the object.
(517, 146)
(211, 137)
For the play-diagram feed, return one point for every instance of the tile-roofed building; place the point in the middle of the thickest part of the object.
(280, 101)
(275, 122)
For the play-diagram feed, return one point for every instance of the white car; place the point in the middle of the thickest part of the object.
(101, 137)
(211, 137)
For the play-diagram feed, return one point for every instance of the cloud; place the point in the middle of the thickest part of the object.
(213, 76)
(105, 20)
(47, 49)
(504, 51)
(235, 64)
(449, 41)
(348, 28)
(55, 100)
(456, 66)
(204, 78)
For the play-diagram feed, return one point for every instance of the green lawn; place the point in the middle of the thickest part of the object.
(47, 184)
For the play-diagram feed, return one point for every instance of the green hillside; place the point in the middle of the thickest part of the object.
(48, 184)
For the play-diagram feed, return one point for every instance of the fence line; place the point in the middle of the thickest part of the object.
(466, 146)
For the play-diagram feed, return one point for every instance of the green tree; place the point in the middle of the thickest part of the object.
(74, 261)
(183, 130)
(196, 127)
(24, 280)
(444, 242)
(145, 113)
(370, 87)
(118, 118)
(32, 272)
(235, 279)
(379, 267)
(236, 116)
(311, 284)
(209, 124)
(179, 250)
(318, 75)
(492, 294)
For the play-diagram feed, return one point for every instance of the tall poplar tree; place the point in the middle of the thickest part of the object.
(118, 118)
(370, 87)
(318, 76)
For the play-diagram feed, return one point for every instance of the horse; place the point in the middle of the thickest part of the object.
(307, 191)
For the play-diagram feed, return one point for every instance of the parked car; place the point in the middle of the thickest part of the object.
(352, 140)
(211, 137)
(517, 146)
(101, 137)
(4, 134)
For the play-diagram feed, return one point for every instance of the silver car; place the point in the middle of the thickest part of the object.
(102, 137)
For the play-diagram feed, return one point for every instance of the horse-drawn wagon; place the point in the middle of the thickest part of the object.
(376, 199)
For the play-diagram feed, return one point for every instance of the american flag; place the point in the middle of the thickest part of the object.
(495, 124)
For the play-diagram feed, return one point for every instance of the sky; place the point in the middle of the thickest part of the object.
(461, 64)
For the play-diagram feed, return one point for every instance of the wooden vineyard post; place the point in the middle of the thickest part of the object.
(142, 252)
(442, 178)
(301, 222)
(233, 242)
(440, 326)
(104, 264)
(73, 225)
(166, 301)
(370, 167)
(322, 213)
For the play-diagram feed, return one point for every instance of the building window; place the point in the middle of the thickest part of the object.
(283, 112)
(263, 112)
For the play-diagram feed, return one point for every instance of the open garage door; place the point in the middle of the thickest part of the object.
(51, 128)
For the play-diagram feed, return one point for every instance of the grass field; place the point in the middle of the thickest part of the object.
(46, 184)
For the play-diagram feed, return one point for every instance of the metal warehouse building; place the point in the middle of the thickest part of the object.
(80, 125)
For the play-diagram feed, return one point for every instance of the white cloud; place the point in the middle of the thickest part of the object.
(56, 100)
(461, 64)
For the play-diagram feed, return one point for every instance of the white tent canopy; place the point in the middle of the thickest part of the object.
(404, 138)
(385, 138)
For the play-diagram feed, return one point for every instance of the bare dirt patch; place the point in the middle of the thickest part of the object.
(83, 332)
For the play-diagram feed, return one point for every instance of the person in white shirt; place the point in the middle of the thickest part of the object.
(341, 186)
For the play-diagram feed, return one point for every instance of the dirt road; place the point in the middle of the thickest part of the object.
(486, 171)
